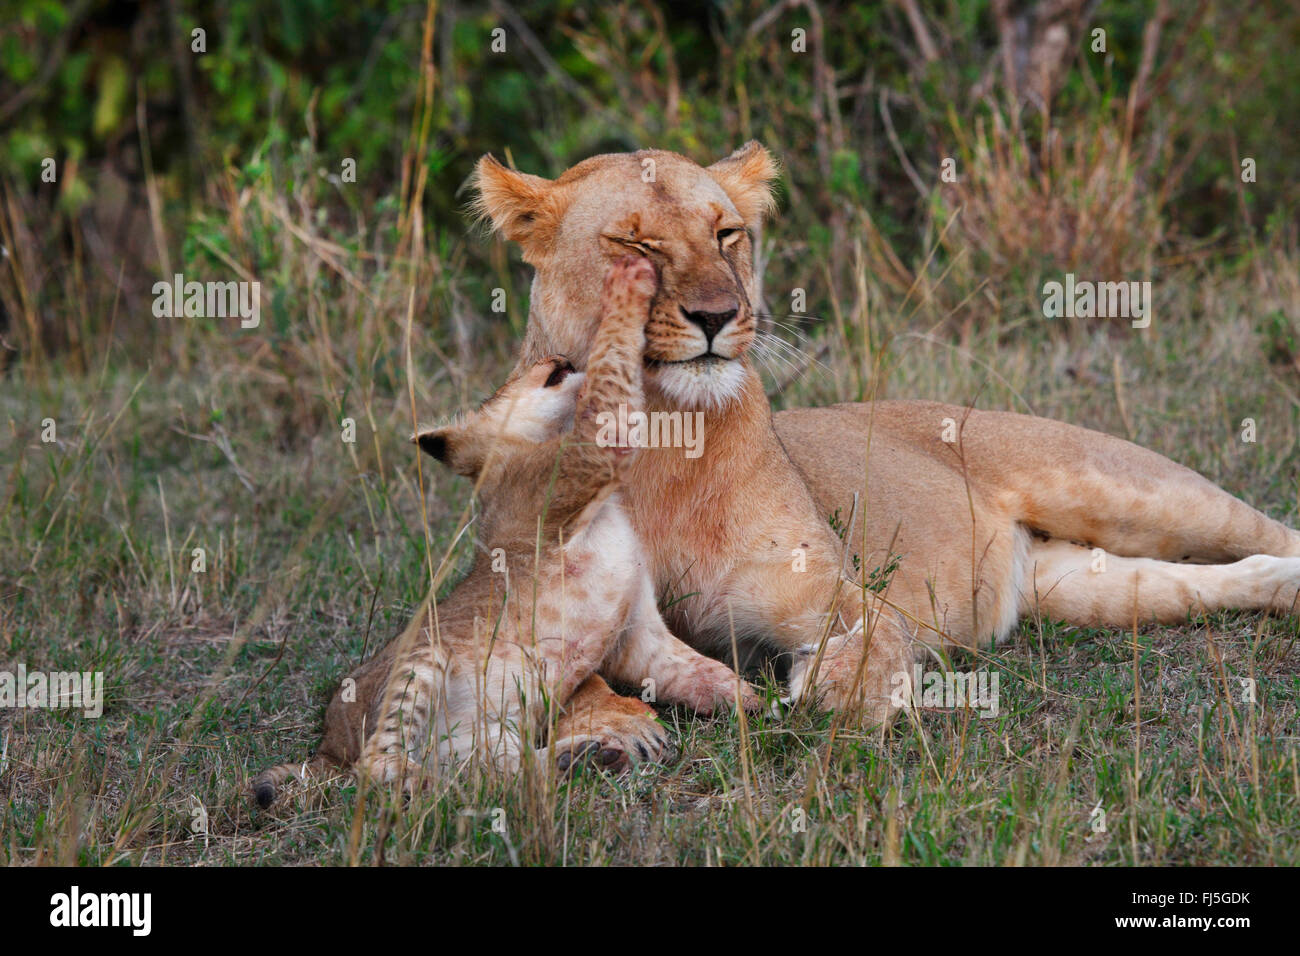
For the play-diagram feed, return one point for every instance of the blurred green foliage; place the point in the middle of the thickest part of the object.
(585, 78)
(292, 89)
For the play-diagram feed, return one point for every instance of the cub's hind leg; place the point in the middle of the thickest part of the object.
(1091, 587)
(348, 718)
(397, 748)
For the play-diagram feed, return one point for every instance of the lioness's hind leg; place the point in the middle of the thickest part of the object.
(1092, 587)
(1086, 486)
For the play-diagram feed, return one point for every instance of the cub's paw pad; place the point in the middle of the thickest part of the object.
(575, 753)
(635, 273)
(612, 758)
(600, 753)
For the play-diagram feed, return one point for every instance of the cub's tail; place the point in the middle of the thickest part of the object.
(268, 785)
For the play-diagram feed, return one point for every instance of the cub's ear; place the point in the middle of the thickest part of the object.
(454, 446)
(525, 209)
(746, 177)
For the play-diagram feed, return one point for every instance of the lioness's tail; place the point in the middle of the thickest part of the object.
(268, 785)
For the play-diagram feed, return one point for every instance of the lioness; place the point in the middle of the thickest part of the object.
(983, 529)
(559, 588)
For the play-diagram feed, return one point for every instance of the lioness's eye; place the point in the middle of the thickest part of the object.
(632, 242)
(727, 236)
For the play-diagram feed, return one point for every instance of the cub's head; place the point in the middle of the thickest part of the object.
(534, 405)
(695, 223)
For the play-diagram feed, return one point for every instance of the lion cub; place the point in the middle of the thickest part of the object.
(560, 588)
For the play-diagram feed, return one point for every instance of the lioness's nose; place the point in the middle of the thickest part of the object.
(712, 314)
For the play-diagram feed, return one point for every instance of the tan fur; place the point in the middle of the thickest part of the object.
(985, 528)
(505, 653)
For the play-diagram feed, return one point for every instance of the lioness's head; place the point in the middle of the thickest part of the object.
(693, 222)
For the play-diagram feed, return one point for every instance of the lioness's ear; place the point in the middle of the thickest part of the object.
(746, 177)
(523, 208)
(454, 446)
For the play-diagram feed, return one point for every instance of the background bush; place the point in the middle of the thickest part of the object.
(1121, 161)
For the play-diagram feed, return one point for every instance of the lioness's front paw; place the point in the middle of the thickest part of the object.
(843, 683)
(837, 687)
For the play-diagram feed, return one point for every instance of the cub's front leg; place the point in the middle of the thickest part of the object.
(679, 673)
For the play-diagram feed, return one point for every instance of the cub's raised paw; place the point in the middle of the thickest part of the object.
(631, 281)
